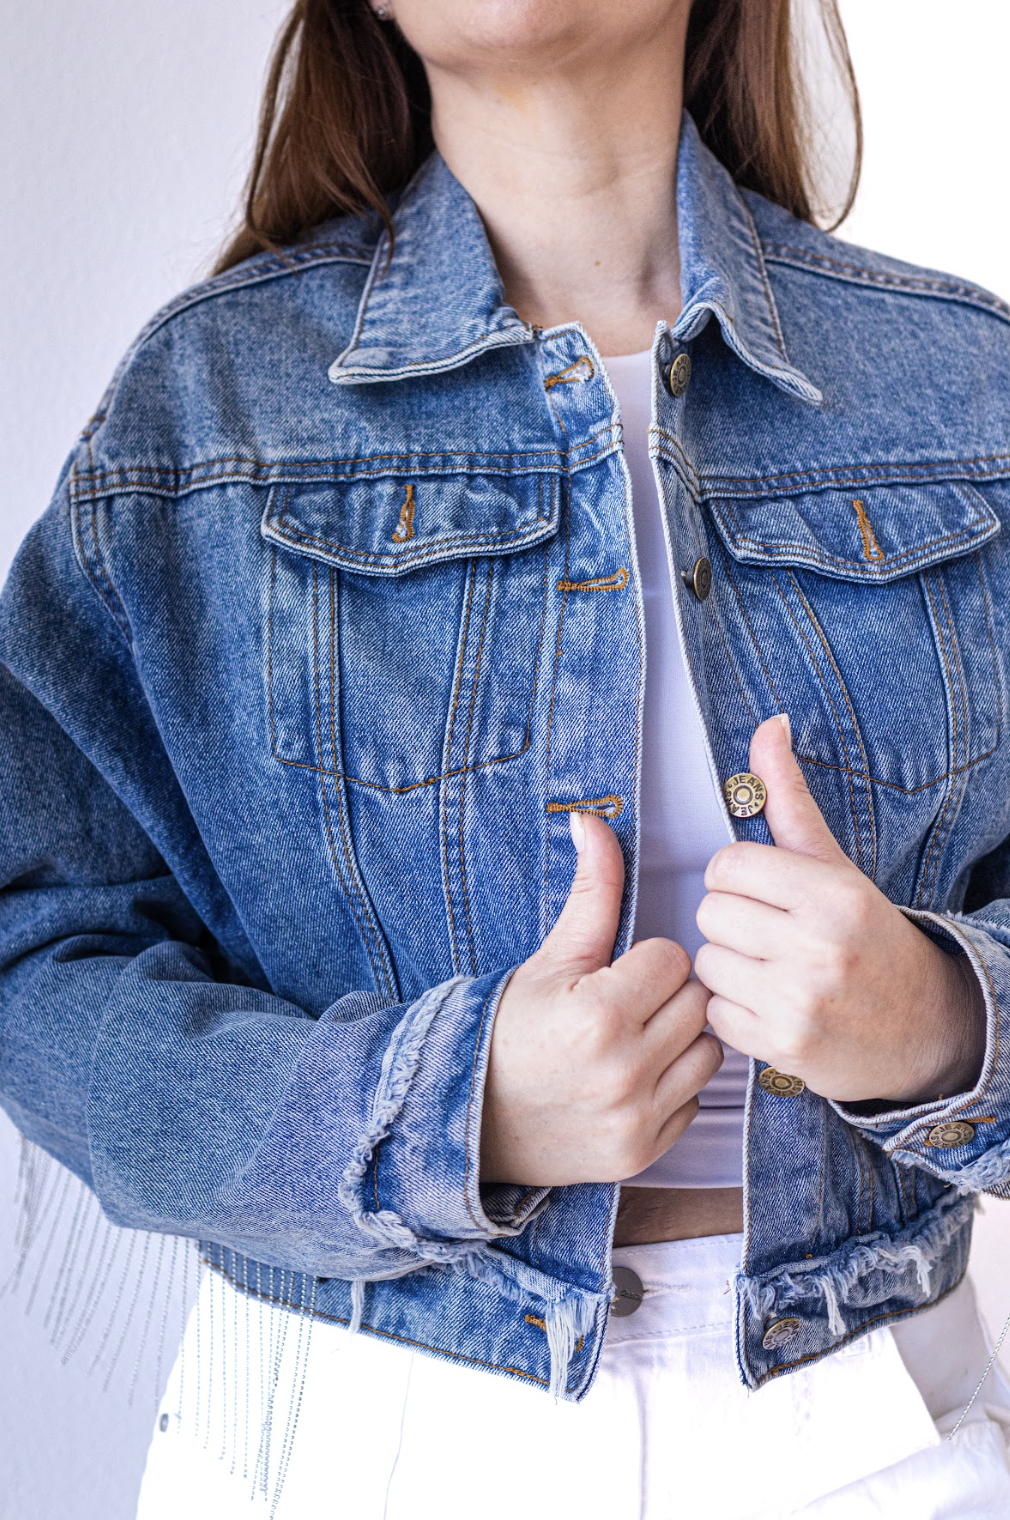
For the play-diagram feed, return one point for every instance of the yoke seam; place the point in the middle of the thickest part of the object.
(926, 285)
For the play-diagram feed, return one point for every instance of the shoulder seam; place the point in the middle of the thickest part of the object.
(92, 564)
(885, 279)
(263, 267)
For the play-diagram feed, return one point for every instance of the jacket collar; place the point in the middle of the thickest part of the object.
(437, 301)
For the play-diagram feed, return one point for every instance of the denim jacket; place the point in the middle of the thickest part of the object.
(334, 617)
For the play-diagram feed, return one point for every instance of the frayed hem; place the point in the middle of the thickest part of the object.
(569, 1314)
(989, 1172)
(399, 1066)
(861, 1275)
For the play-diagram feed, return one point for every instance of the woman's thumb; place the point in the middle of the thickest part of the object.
(795, 820)
(582, 939)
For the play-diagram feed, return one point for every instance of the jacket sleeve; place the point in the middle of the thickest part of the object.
(963, 1138)
(145, 1050)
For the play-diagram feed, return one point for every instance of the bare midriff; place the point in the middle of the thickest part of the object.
(648, 1214)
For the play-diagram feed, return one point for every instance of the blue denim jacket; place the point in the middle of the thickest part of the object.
(336, 614)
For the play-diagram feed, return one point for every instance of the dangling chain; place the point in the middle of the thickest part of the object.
(988, 1368)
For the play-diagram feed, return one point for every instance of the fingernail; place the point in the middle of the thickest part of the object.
(578, 828)
(784, 720)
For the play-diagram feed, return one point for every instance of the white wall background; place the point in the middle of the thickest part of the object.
(126, 127)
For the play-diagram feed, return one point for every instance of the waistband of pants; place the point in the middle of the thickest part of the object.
(688, 1286)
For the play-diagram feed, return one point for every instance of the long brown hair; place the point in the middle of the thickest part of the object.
(346, 115)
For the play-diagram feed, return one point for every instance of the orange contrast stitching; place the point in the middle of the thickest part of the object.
(615, 582)
(894, 786)
(572, 374)
(909, 559)
(871, 549)
(405, 527)
(541, 1324)
(428, 550)
(603, 807)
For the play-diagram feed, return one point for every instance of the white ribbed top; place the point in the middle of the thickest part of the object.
(682, 818)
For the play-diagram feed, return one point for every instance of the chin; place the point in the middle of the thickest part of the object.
(451, 33)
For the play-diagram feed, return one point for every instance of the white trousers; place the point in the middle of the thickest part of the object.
(364, 1429)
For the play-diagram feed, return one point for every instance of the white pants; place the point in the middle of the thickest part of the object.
(667, 1431)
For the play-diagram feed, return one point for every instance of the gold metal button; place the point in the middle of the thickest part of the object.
(745, 794)
(783, 1330)
(678, 376)
(947, 1137)
(699, 578)
(780, 1083)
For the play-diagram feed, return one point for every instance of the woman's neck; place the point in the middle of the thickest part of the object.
(573, 169)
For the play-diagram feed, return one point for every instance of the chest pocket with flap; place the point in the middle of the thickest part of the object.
(869, 606)
(405, 622)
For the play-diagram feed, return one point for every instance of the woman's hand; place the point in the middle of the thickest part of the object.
(814, 971)
(594, 1067)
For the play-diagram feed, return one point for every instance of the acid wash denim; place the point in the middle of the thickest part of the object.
(336, 615)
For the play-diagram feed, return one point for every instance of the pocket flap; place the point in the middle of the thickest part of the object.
(392, 524)
(874, 533)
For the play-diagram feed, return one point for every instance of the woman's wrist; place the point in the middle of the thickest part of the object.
(959, 1021)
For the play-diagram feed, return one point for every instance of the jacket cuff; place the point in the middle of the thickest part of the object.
(414, 1178)
(963, 1138)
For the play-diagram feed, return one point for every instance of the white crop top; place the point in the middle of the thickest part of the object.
(683, 821)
